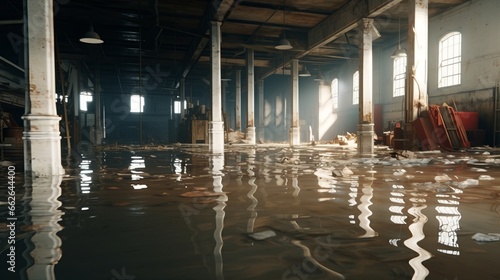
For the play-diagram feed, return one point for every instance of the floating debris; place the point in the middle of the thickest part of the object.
(485, 178)
(262, 235)
(201, 194)
(490, 237)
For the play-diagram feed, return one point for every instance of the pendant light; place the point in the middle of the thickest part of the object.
(399, 52)
(91, 37)
(283, 43)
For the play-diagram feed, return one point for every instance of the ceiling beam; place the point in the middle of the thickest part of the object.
(338, 23)
(220, 11)
(237, 61)
(345, 19)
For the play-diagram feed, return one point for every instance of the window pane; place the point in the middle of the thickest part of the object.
(136, 103)
(450, 59)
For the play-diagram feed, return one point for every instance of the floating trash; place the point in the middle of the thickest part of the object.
(262, 235)
(481, 237)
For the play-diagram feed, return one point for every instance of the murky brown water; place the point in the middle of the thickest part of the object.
(153, 214)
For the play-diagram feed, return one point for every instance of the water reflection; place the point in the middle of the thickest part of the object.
(251, 192)
(417, 231)
(217, 162)
(45, 216)
(449, 223)
(364, 207)
(85, 175)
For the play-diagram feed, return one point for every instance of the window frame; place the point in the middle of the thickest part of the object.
(399, 76)
(450, 60)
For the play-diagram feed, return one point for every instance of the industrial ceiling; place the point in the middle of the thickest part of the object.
(167, 40)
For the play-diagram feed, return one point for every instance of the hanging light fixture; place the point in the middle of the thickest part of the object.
(283, 43)
(399, 52)
(304, 72)
(91, 37)
(319, 77)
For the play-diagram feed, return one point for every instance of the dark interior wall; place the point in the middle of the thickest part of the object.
(277, 107)
(122, 126)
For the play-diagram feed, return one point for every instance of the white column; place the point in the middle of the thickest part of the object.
(42, 139)
(251, 97)
(416, 71)
(260, 89)
(98, 130)
(238, 100)
(295, 123)
(216, 127)
(182, 93)
(365, 125)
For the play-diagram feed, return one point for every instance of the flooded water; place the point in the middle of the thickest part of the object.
(258, 213)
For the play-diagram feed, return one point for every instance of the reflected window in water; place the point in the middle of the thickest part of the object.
(85, 177)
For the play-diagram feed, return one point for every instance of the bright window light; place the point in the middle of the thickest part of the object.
(355, 88)
(399, 77)
(136, 103)
(335, 93)
(450, 58)
(85, 97)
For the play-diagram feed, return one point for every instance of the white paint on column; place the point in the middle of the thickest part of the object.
(251, 97)
(295, 123)
(216, 127)
(41, 136)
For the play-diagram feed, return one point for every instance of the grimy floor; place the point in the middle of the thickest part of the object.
(266, 212)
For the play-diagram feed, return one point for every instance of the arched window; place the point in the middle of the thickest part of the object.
(355, 88)
(335, 93)
(450, 57)
(399, 76)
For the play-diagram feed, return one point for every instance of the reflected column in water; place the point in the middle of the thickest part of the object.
(253, 189)
(44, 214)
(417, 231)
(364, 207)
(217, 162)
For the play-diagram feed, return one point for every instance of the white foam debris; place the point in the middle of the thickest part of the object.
(485, 178)
(481, 237)
(262, 235)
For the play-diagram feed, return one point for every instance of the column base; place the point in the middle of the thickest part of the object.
(42, 146)
(216, 137)
(294, 136)
(365, 139)
(251, 137)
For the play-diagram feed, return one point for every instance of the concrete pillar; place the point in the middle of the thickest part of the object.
(251, 97)
(417, 65)
(98, 129)
(238, 100)
(41, 136)
(182, 93)
(260, 90)
(216, 126)
(365, 126)
(295, 122)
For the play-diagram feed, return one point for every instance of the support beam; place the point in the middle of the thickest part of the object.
(366, 127)
(260, 89)
(216, 126)
(417, 65)
(250, 97)
(182, 94)
(98, 128)
(416, 71)
(295, 123)
(41, 136)
(345, 19)
(238, 100)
